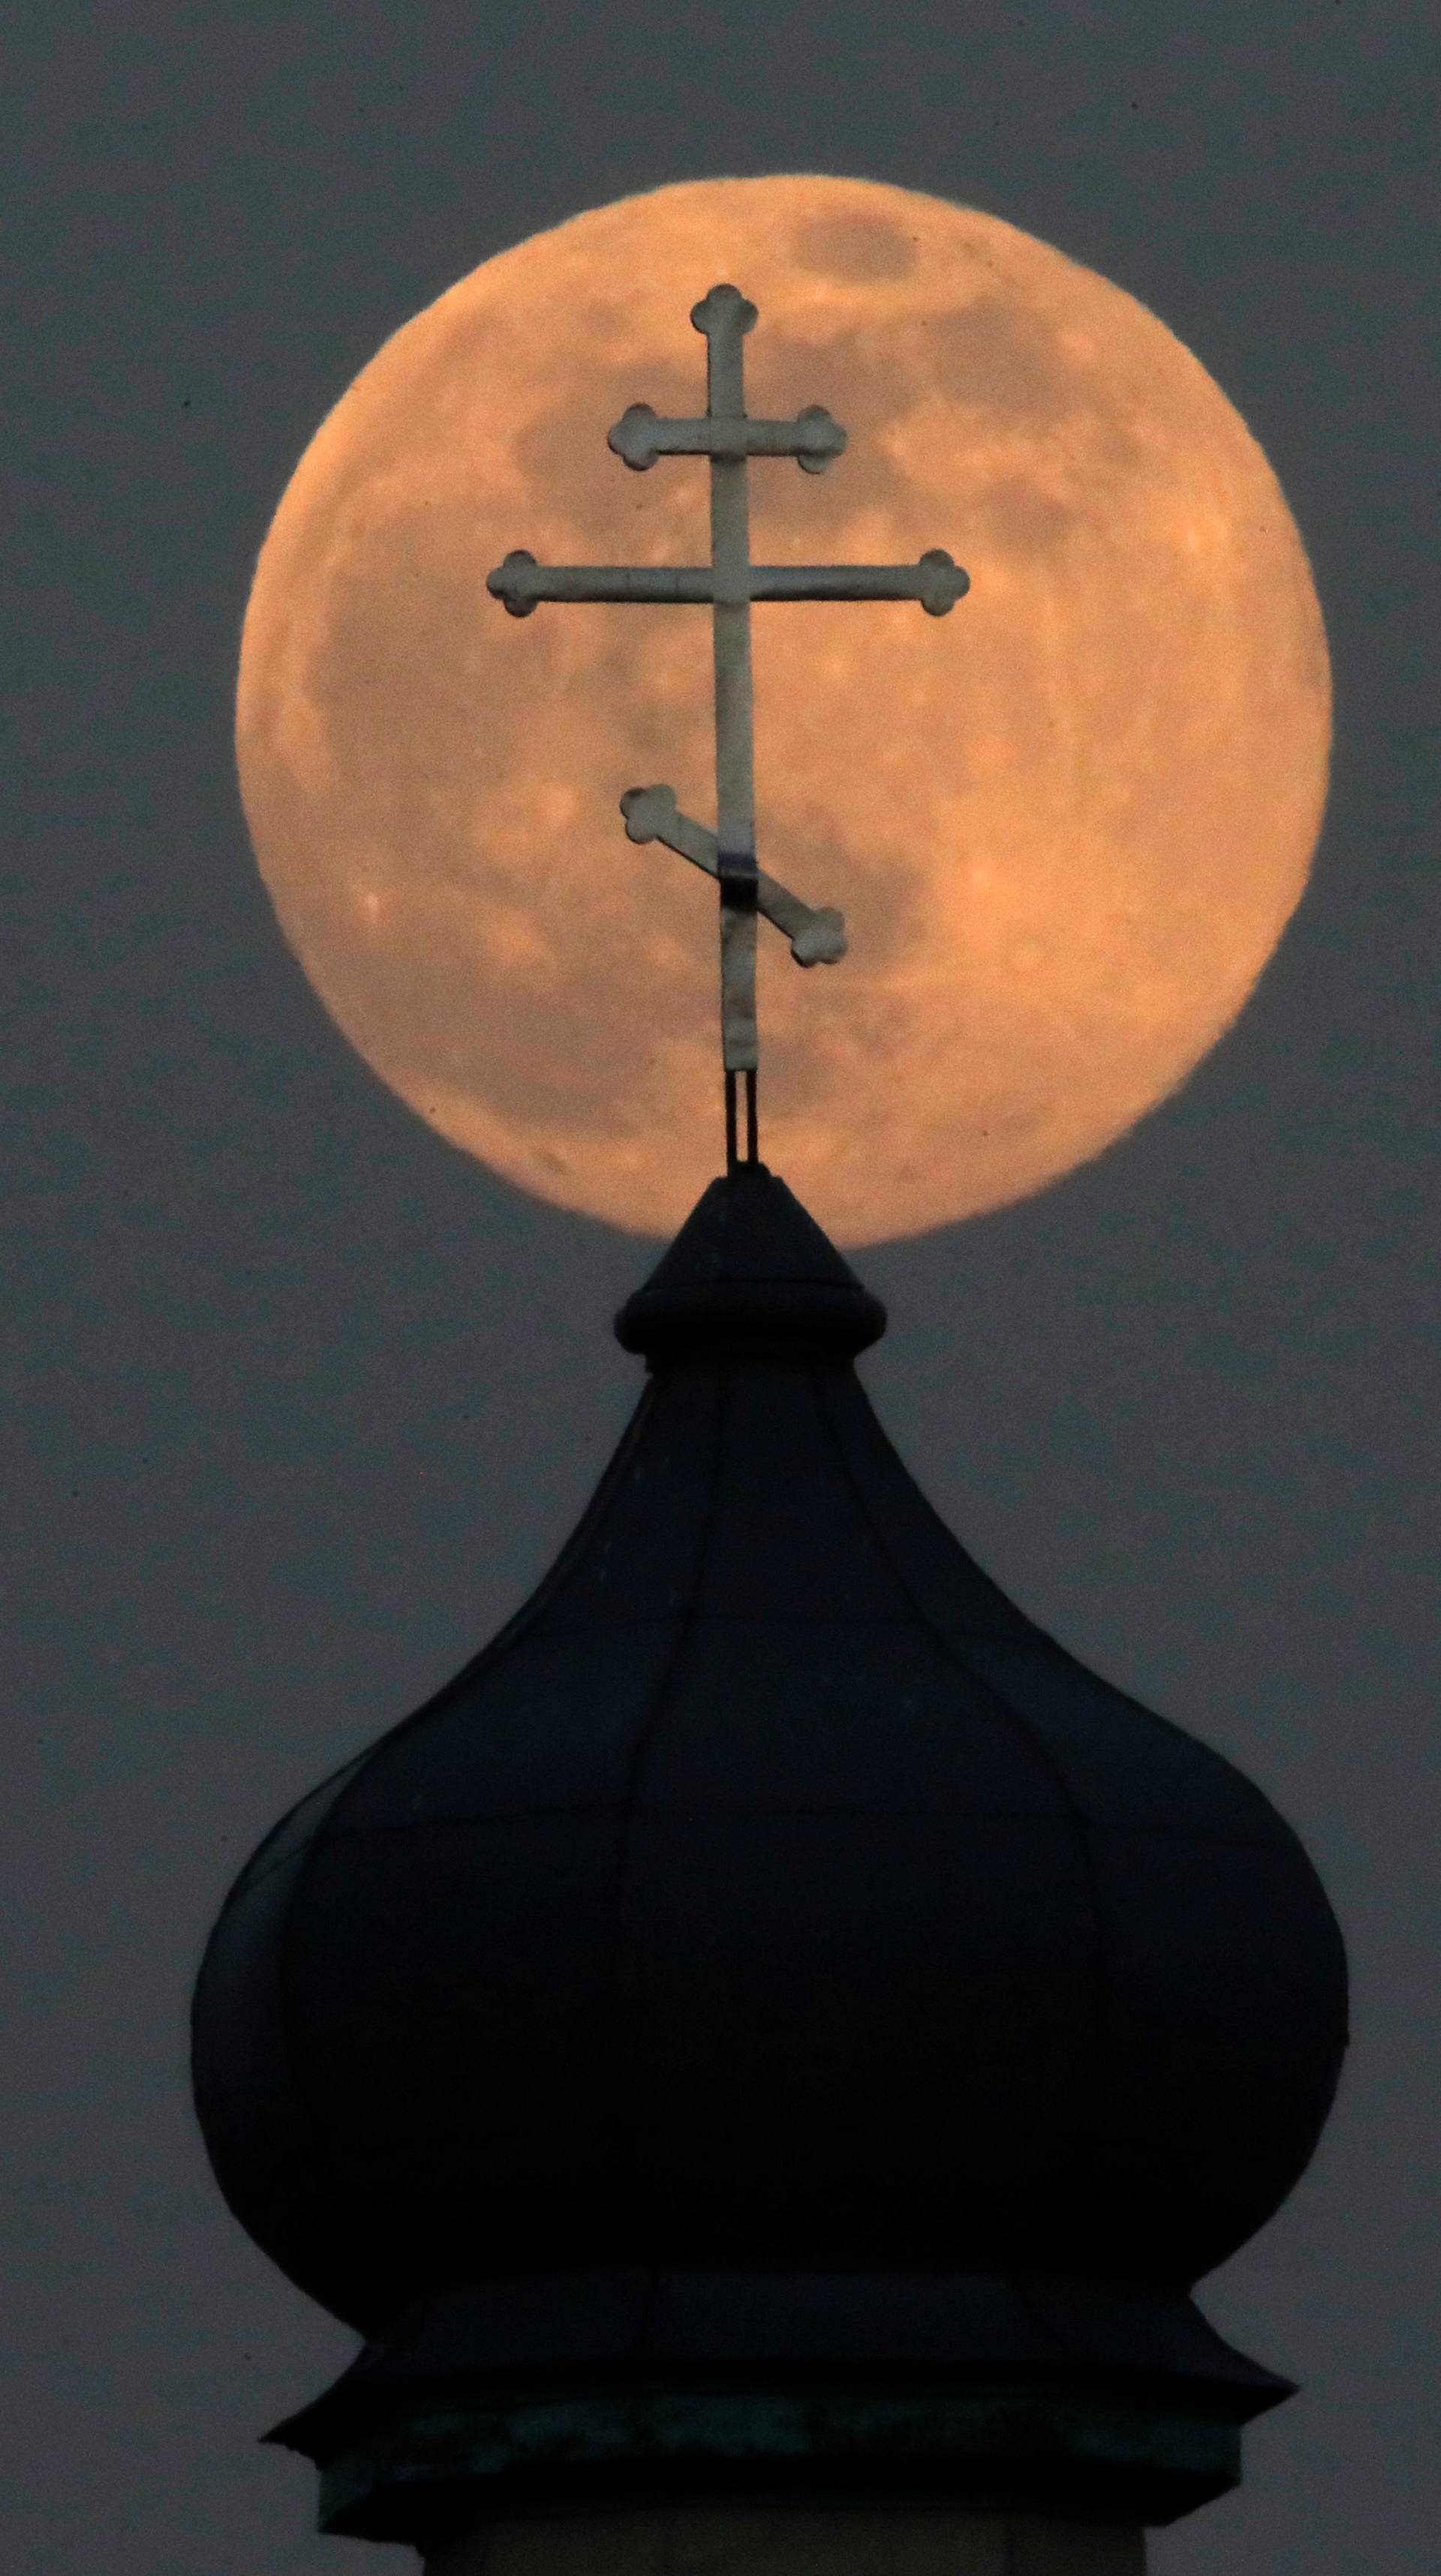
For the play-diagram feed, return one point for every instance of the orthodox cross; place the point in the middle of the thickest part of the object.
(728, 584)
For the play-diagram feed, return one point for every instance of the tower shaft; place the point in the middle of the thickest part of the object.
(719, 2540)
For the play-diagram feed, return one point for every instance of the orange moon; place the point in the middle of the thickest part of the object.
(1066, 824)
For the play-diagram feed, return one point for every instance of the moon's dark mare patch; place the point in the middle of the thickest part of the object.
(853, 246)
(1003, 357)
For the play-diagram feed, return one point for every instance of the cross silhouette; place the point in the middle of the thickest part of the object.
(729, 584)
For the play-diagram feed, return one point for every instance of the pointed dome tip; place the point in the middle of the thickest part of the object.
(750, 1273)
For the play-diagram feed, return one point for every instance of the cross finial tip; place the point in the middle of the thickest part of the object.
(723, 306)
(507, 582)
(942, 583)
(635, 438)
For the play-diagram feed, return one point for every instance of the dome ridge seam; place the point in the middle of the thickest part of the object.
(1099, 1962)
(650, 1721)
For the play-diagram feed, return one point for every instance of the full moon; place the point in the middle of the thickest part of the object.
(1066, 824)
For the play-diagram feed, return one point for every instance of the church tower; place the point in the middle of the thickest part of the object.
(763, 2057)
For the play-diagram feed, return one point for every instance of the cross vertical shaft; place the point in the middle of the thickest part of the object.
(725, 316)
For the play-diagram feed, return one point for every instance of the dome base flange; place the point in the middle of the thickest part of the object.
(985, 2394)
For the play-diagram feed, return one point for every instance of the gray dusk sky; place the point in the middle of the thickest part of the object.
(299, 1402)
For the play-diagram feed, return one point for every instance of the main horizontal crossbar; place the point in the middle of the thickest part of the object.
(521, 583)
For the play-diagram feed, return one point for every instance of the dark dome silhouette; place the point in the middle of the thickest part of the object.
(770, 1895)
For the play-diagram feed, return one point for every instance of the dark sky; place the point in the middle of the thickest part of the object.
(298, 1402)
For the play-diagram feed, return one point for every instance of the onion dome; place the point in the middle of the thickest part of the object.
(772, 1967)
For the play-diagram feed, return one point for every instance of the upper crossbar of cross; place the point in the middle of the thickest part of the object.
(729, 584)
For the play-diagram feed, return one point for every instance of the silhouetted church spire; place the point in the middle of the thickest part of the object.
(775, 2038)
(774, 2030)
